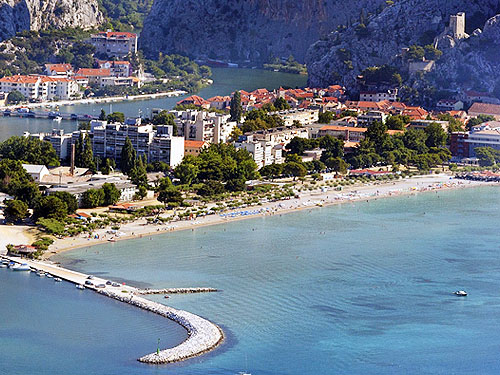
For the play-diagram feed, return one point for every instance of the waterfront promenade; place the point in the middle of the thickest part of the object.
(203, 336)
(109, 99)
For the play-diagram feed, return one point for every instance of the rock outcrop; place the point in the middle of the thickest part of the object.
(245, 29)
(19, 15)
(344, 55)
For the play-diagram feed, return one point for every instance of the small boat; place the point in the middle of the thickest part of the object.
(3, 265)
(57, 119)
(166, 297)
(49, 275)
(460, 293)
(79, 286)
(57, 280)
(21, 267)
(40, 274)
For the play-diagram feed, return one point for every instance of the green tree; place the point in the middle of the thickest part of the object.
(138, 173)
(211, 188)
(30, 150)
(436, 136)
(111, 194)
(69, 199)
(116, 117)
(50, 207)
(87, 156)
(93, 198)
(415, 53)
(396, 122)
(15, 97)
(102, 116)
(479, 120)
(236, 109)
(487, 156)
(128, 156)
(337, 164)
(171, 197)
(15, 210)
(325, 117)
(294, 169)
(51, 226)
(281, 104)
(272, 171)
(187, 171)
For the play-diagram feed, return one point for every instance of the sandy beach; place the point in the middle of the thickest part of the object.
(15, 235)
(306, 200)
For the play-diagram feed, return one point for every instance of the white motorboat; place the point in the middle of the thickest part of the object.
(49, 275)
(3, 265)
(460, 293)
(40, 274)
(80, 286)
(57, 119)
(57, 279)
(21, 267)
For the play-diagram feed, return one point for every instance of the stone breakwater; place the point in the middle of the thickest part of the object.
(178, 291)
(203, 335)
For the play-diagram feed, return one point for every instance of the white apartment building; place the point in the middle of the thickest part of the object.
(303, 116)
(204, 126)
(40, 87)
(375, 96)
(484, 135)
(367, 119)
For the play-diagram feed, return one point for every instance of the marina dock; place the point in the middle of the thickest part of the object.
(203, 336)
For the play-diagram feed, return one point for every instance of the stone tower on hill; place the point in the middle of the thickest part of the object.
(457, 25)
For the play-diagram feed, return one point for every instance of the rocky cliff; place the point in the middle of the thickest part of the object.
(246, 29)
(18, 15)
(344, 55)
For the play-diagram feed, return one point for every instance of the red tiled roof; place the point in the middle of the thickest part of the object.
(342, 128)
(193, 99)
(61, 68)
(116, 34)
(87, 72)
(20, 79)
(489, 109)
(194, 144)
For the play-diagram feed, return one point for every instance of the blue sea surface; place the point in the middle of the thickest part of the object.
(358, 288)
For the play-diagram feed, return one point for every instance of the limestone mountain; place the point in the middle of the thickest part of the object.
(19, 15)
(246, 29)
(466, 61)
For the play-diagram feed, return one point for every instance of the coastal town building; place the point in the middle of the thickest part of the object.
(377, 96)
(263, 152)
(40, 87)
(116, 68)
(194, 147)
(59, 70)
(368, 118)
(155, 145)
(483, 109)
(126, 187)
(347, 133)
(199, 125)
(463, 144)
(422, 124)
(114, 44)
(37, 172)
(449, 105)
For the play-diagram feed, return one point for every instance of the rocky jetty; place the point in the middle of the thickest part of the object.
(343, 55)
(245, 29)
(19, 15)
(203, 335)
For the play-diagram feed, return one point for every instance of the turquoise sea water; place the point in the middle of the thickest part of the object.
(225, 82)
(360, 288)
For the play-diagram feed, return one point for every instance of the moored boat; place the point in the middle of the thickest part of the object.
(57, 279)
(460, 293)
(79, 286)
(21, 267)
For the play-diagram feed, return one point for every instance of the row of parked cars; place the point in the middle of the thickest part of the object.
(89, 282)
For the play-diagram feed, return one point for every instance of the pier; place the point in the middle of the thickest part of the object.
(203, 335)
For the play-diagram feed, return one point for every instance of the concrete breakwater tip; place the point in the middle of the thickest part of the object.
(203, 335)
